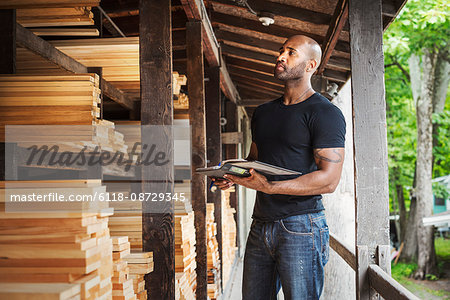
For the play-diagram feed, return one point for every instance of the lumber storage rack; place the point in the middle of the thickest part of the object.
(228, 59)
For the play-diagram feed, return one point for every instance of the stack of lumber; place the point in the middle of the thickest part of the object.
(185, 253)
(29, 63)
(49, 100)
(182, 102)
(57, 247)
(108, 138)
(119, 58)
(228, 234)
(140, 264)
(7, 4)
(122, 284)
(178, 81)
(50, 17)
(213, 261)
(26, 291)
(128, 224)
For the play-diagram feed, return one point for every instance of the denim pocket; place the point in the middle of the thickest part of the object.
(325, 244)
(299, 225)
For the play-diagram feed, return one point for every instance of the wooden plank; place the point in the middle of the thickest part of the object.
(7, 4)
(223, 34)
(384, 258)
(369, 119)
(41, 47)
(279, 31)
(334, 30)
(44, 291)
(232, 138)
(362, 279)
(232, 150)
(256, 75)
(284, 10)
(388, 288)
(343, 251)
(155, 47)
(214, 144)
(116, 95)
(195, 10)
(65, 31)
(197, 120)
(244, 53)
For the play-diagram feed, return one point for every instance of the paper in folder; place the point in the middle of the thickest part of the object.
(241, 167)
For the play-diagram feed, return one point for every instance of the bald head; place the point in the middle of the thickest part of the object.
(311, 47)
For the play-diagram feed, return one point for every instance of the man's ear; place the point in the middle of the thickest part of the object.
(312, 64)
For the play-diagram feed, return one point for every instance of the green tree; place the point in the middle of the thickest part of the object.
(417, 55)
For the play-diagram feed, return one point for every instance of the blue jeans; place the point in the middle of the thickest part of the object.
(289, 253)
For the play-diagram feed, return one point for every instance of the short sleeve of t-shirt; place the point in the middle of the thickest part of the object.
(328, 127)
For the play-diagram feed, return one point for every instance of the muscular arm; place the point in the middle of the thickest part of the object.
(329, 163)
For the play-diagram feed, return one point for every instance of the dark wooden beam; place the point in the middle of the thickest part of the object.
(195, 10)
(238, 74)
(258, 85)
(255, 75)
(334, 31)
(284, 10)
(335, 75)
(339, 63)
(196, 90)
(214, 146)
(250, 93)
(8, 41)
(155, 60)
(223, 35)
(39, 46)
(244, 53)
(369, 120)
(116, 95)
(246, 24)
(250, 65)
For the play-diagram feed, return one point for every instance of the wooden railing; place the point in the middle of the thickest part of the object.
(379, 280)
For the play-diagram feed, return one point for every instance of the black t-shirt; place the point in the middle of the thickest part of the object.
(285, 136)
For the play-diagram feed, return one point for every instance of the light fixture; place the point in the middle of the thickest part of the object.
(266, 18)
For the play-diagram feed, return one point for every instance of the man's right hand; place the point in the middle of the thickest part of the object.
(222, 183)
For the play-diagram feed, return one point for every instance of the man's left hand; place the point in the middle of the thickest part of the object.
(255, 181)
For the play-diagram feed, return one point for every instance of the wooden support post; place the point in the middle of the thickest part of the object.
(7, 66)
(369, 120)
(384, 258)
(231, 149)
(196, 91)
(214, 146)
(155, 63)
(8, 38)
(362, 279)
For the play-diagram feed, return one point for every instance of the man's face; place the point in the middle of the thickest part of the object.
(291, 62)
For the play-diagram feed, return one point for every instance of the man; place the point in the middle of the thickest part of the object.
(288, 243)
